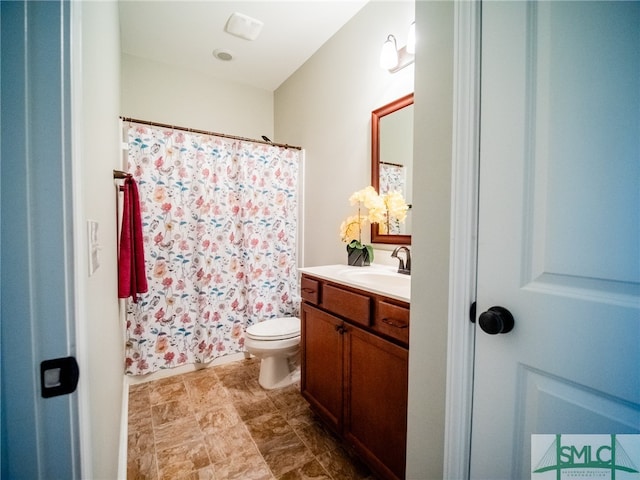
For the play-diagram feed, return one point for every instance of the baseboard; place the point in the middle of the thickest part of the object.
(124, 431)
(170, 372)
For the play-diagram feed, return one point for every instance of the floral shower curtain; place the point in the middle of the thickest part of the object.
(392, 179)
(219, 218)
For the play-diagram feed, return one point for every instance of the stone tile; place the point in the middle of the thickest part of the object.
(240, 369)
(206, 392)
(142, 467)
(309, 471)
(267, 429)
(200, 372)
(169, 412)
(182, 460)
(285, 453)
(216, 421)
(225, 370)
(245, 390)
(162, 391)
(206, 473)
(302, 418)
(247, 467)
(287, 397)
(343, 466)
(281, 448)
(176, 433)
(317, 438)
(139, 400)
(161, 382)
(140, 420)
(254, 408)
(201, 380)
(140, 442)
(289, 402)
(291, 389)
(227, 445)
(253, 367)
(135, 388)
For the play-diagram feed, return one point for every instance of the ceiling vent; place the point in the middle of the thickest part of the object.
(243, 26)
(222, 54)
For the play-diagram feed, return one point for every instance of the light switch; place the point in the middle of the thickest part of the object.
(94, 246)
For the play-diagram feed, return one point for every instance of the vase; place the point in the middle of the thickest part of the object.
(358, 257)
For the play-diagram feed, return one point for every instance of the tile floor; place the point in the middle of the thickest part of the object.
(219, 424)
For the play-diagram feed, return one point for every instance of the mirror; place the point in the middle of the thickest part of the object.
(392, 162)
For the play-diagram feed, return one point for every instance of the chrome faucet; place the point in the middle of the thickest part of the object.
(403, 267)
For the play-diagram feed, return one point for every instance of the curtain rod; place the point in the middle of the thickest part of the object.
(392, 164)
(204, 132)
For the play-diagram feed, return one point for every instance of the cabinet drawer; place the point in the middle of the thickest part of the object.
(350, 305)
(310, 290)
(392, 320)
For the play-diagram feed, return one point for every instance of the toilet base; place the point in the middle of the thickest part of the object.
(278, 372)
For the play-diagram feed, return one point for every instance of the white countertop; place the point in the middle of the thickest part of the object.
(380, 279)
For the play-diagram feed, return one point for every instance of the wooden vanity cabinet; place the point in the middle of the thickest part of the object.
(322, 364)
(355, 369)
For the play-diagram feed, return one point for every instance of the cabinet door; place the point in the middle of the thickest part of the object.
(376, 405)
(322, 361)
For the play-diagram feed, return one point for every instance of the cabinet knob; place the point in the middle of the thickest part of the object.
(340, 329)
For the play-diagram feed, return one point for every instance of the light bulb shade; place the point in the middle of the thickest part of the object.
(411, 39)
(389, 53)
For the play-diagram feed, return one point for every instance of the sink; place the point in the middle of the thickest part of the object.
(380, 278)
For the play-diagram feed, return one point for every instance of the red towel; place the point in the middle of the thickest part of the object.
(132, 278)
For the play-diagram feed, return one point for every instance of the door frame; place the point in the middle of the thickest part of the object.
(79, 236)
(464, 233)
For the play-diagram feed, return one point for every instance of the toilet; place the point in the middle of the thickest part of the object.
(277, 343)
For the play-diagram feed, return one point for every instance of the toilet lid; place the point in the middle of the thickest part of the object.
(275, 329)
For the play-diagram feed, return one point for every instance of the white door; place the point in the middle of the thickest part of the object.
(559, 227)
(39, 420)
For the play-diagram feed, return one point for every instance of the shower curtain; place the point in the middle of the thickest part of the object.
(393, 179)
(219, 218)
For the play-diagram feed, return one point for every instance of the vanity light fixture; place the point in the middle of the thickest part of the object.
(389, 53)
(394, 59)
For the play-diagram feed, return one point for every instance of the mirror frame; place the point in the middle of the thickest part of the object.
(376, 115)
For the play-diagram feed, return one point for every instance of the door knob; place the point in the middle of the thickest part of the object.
(496, 320)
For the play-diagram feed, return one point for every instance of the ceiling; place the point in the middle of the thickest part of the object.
(184, 34)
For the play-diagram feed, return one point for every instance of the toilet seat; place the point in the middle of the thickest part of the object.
(275, 329)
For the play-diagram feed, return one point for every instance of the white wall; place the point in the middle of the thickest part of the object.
(159, 93)
(431, 239)
(325, 107)
(100, 332)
